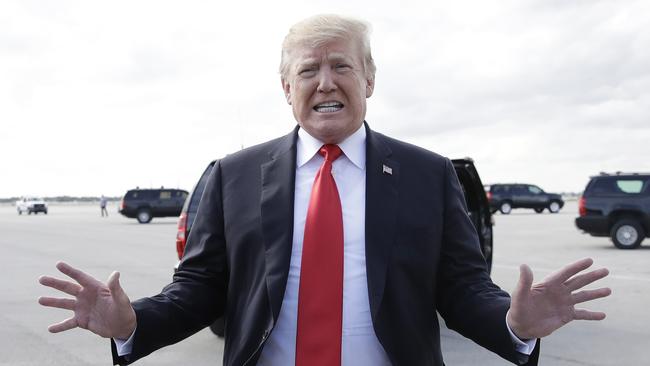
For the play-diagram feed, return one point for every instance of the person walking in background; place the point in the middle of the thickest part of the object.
(102, 204)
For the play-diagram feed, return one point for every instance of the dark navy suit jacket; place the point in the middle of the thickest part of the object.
(422, 256)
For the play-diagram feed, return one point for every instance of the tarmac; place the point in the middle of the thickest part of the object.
(145, 255)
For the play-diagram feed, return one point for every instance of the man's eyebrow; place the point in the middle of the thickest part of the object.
(332, 57)
(307, 62)
(338, 57)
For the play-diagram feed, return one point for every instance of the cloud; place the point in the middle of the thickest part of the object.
(532, 90)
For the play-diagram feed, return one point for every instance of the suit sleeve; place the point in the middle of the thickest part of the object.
(467, 299)
(197, 295)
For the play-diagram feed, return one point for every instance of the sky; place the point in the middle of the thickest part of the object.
(99, 97)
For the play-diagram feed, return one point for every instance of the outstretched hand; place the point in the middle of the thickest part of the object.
(102, 308)
(538, 310)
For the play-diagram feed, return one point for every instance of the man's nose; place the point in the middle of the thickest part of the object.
(326, 81)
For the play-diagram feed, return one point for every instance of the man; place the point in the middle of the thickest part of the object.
(102, 205)
(333, 245)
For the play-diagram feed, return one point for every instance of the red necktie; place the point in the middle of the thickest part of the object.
(320, 296)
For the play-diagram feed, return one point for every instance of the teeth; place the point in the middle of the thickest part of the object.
(328, 104)
(328, 107)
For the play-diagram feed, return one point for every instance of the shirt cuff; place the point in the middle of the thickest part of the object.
(125, 346)
(522, 346)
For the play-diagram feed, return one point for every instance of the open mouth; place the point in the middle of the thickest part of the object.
(328, 107)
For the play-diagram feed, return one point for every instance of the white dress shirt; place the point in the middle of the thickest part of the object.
(360, 346)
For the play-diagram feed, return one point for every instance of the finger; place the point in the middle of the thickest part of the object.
(114, 284)
(581, 314)
(68, 287)
(525, 282)
(588, 295)
(570, 270)
(583, 280)
(67, 324)
(83, 278)
(54, 302)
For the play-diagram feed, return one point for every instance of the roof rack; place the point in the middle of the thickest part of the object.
(622, 173)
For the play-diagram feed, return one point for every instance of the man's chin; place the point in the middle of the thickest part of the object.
(330, 132)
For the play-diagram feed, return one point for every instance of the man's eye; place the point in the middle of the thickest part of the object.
(342, 66)
(307, 72)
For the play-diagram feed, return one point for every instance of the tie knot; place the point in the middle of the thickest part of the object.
(331, 152)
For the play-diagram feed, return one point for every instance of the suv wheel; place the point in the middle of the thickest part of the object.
(554, 207)
(505, 208)
(627, 234)
(144, 216)
(539, 210)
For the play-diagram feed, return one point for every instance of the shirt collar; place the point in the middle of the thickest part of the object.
(353, 147)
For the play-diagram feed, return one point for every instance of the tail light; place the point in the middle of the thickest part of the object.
(121, 204)
(181, 240)
(489, 196)
(582, 209)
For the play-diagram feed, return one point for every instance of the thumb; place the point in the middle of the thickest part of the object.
(114, 284)
(525, 282)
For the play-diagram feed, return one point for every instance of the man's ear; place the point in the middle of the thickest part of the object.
(286, 87)
(370, 86)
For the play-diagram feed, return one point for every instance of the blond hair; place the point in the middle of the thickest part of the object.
(318, 30)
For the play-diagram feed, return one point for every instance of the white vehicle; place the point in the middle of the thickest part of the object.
(31, 204)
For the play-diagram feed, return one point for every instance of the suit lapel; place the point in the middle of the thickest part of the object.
(382, 178)
(278, 181)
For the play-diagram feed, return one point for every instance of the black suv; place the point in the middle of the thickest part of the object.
(477, 207)
(617, 205)
(185, 221)
(145, 204)
(505, 197)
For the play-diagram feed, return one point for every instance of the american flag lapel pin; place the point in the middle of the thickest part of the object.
(387, 170)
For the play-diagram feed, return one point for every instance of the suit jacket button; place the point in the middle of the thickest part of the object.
(265, 335)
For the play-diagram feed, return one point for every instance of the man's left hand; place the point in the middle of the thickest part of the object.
(538, 310)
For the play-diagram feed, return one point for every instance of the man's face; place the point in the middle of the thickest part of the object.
(327, 89)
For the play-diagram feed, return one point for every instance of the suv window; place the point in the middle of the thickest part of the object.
(617, 186)
(519, 189)
(630, 186)
(140, 194)
(535, 190)
(603, 186)
(196, 195)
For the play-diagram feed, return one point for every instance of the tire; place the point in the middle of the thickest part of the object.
(505, 208)
(20, 212)
(554, 207)
(29, 212)
(539, 210)
(144, 216)
(218, 327)
(627, 234)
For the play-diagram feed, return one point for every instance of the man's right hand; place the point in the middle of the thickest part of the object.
(102, 308)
